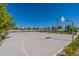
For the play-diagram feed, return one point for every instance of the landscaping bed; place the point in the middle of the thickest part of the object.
(72, 49)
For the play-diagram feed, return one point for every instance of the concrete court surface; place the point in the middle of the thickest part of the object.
(33, 44)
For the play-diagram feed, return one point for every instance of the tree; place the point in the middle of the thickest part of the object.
(69, 29)
(75, 29)
(6, 22)
(59, 27)
(33, 28)
(53, 29)
(28, 28)
(48, 29)
(45, 29)
(37, 28)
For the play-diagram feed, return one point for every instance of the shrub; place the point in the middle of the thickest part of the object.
(71, 49)
(0, 38)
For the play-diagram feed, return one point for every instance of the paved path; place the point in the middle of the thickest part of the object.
(33, 44)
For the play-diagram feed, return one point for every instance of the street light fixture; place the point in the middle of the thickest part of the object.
(57, 29)
(72, 24)
(62, 19)
(57, 26)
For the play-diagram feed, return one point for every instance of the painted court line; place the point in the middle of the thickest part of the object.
(24, 49)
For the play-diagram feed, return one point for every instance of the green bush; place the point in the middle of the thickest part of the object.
(71, 49)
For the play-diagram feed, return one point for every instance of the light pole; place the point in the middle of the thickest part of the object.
(72, 24)
(57, 26)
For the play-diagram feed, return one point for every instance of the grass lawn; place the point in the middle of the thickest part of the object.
(71, 49)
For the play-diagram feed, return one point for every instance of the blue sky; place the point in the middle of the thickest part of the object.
(43, 15)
